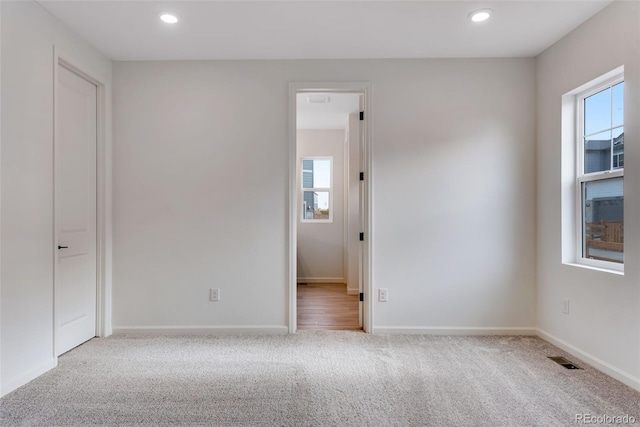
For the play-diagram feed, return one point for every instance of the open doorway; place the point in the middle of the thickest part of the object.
(328, 210)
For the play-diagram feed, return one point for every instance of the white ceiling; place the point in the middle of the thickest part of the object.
(300, 29)
(332, 115)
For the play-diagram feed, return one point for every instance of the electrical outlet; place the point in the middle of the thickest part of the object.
(383, 294)
(565, 306)
(214, 294)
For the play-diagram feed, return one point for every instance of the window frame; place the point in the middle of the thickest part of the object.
(582, 177)
(620, 158)
(302, 190)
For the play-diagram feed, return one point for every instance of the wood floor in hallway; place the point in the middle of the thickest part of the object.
(327, 306)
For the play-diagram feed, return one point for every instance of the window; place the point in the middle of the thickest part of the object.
(600, 174)
(316, 186)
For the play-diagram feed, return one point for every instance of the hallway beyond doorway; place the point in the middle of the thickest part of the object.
(327, 306)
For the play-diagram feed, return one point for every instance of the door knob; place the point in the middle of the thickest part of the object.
(63, 247)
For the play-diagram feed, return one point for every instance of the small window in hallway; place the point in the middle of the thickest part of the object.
(316, 183)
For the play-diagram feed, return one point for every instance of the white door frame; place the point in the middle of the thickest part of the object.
(364, 89)
(103, 192)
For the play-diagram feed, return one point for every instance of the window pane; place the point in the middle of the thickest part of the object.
(315, 205)
(316, 174)
(618, 148)
(322, 173)
(597, 152)
(602, 219)
(597, 112)
(618, 104)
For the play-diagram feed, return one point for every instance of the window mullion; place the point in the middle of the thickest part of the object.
(601, 175)
(611, 123)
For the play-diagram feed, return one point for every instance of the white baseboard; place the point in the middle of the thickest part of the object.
(201, 330)
(321, 280)
(452, 330)
(600, 365)
(23, 379)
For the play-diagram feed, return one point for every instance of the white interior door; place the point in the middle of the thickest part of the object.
(75, 200)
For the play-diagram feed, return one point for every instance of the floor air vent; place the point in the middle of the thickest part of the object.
(564, 362)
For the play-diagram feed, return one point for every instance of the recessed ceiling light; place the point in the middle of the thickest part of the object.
(168, 18)
(480, 15)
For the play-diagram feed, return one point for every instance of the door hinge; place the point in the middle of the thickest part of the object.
(361, 115)
(361, 176)
(361, 296)
(361, 236)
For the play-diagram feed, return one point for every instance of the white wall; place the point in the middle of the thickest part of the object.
(604, 321)
(353, 204)
(197, 145)
(26, 263)
(321, 245)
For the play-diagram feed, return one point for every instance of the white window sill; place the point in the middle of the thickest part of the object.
(591, 267)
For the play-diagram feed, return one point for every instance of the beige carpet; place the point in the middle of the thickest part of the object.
(316, 378)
